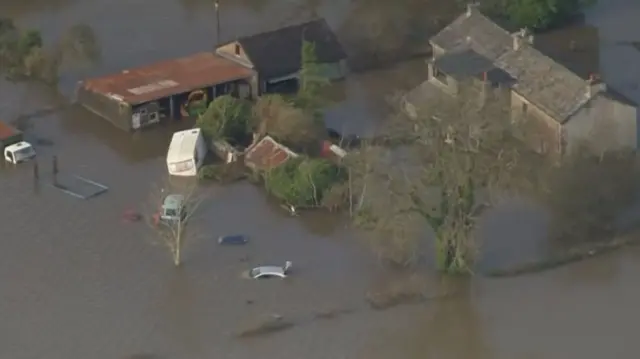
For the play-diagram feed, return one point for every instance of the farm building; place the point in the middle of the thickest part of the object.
(276, 55)
(173, 89)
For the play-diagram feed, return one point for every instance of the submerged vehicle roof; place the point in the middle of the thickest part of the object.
(233, 239)
(275, 270)
(18, 146)
(173, 201)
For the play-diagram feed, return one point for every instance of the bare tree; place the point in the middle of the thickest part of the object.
(379, 32)
(174, 205)
(23, 54)
(293, 126)
(460, 146)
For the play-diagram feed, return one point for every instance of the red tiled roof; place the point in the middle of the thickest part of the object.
(267, 154)
(166, 78)
(7, 131)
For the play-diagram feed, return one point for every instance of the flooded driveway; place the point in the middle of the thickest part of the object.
(77, 282)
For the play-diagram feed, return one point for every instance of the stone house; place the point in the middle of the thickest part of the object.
(276, 55)
(564, 108)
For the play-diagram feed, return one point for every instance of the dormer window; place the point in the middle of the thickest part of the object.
(237, 50)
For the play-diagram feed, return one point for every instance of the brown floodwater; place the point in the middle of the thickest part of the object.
(78, 282)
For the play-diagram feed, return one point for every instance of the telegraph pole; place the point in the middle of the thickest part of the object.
(217, 7)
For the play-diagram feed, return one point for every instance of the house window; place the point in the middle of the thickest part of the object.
(237, 50)
(439, 75)
(543, 146)
(525, 108)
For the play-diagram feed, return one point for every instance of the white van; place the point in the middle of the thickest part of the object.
(19, 152)
(186, 154)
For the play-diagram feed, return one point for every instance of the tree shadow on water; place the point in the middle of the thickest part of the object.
(455, 329)
(177, 310)
(445, 327)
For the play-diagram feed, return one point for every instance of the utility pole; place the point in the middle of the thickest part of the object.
(217, 7)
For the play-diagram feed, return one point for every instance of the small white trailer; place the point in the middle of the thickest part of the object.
(186, 153)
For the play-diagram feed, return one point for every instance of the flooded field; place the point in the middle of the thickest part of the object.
(78, 282)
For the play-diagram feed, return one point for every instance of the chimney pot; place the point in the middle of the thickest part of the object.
(470, 7)
(594, 85)
(521, 37)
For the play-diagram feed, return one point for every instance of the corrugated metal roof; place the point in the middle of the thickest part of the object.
(166, 78)
(268, 154)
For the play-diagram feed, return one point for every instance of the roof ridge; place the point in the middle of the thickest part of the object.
(561, 66)
(493, 23)
(283, 28)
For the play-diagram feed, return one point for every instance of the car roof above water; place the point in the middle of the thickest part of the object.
(18, 146)
(173, 201)
(233, 239)
(268, 269)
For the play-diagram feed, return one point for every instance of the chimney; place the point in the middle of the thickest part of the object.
(595, 85)
(470, 8)
(521, 38)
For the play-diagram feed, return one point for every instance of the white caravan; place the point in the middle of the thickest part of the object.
(186, 154)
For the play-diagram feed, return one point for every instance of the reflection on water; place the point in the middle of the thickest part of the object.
(177, 306)
(133, 147)
(512, 233)
(448, 328)
(619, 30)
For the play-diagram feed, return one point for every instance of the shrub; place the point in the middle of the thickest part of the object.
(222, 172)
(226, 118)
(294, 127)
(303, 182)
(537, 14)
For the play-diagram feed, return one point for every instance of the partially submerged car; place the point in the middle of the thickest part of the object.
(270, 271)
(236, 239)
(172, 209)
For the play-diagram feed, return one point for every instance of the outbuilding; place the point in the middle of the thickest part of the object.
(276, 55)
(173, 89)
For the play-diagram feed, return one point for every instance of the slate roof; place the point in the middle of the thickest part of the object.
(549, 85)
(466, 63)
(473, 29)
(278, 53)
